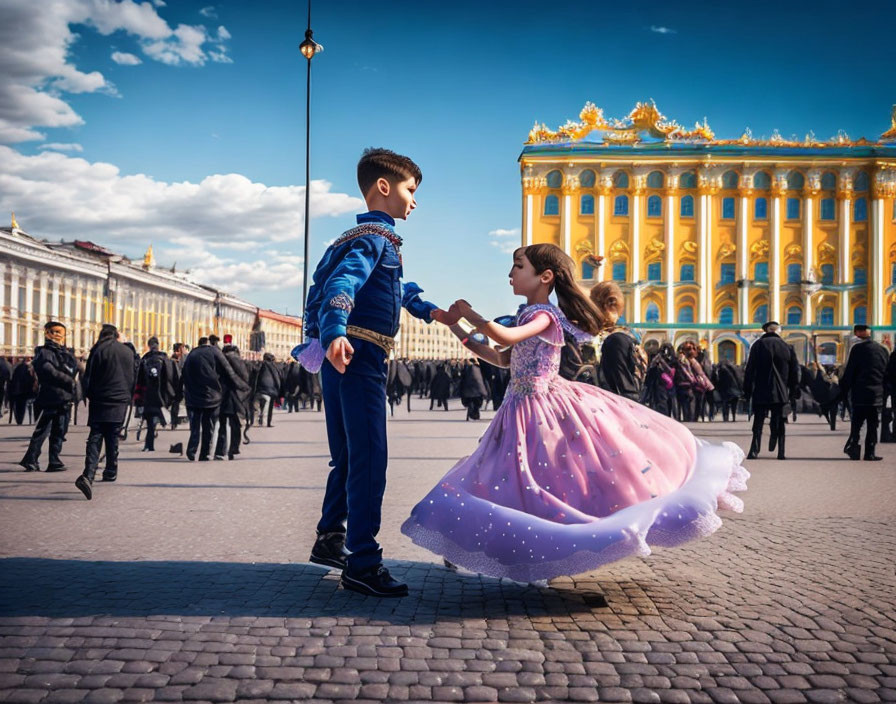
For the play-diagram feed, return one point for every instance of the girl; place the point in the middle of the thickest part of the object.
(567, 477)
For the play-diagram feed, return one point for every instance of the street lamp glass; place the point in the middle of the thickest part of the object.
(309, 47)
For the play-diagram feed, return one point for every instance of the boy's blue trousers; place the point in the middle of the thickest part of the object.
(355, 409)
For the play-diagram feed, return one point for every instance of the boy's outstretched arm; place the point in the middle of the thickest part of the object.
(416, 306)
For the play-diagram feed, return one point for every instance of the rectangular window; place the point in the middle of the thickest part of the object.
(687, 272)
(760, 209)
(760, 272)
(827, 274)
(727, 208)
(618, 271)
(727, 274)
(654, 271)
(793, 208)
(860, 275)
(827, 208)
(794, 273)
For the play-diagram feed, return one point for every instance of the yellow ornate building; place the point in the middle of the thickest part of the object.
(710, 238)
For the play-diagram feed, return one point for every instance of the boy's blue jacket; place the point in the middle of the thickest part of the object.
(358, 282)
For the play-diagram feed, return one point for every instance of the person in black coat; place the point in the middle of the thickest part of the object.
(862, 383)
(440, 388)
(771, 380)
(617, 370)
(234, 406)
(205, 373)
(5, 376)
(268, 387)
(153, 389)
(175, 382)
(888, 432)
(472, 389)
(55, 367)
(108, 384)
(728, 386)
(22, 387)
(292, 385)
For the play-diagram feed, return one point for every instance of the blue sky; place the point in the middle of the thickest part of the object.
(192, 136)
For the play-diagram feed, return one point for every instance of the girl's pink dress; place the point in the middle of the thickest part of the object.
(568, 477)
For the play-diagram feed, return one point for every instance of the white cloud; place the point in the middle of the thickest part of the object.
(501, 232)
(505, 239)
(125, 59)
(232, 231)
(63, 147)
(662, 30)
(35, 75)
(209, 12)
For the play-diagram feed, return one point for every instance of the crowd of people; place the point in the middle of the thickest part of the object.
(213, 384)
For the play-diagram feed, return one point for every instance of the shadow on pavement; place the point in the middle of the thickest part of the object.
(74, 588)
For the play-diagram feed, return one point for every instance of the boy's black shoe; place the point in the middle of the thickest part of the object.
(329, 550)
(374, 582)
(85, 485)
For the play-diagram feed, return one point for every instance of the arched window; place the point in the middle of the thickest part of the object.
(827, 316)
(827, 274)
(794, 273)
(654, 207)
(760, 315)
(730, 180)
(655, 179)
(827, 208)
(619, 270)
(793, 208)
(587, 178)
(620, 179)
(652, 314)
(655, 271)
(726, 316)
(728, 208)
(620, 205)
(688, 179)
(555, 179)
(860, 210)
(760, 271)
(686, 273)
(586, 205)
(726, 274)
(762, 181)
(829, 181)
(860, 315)
(760, 209)
(794, 315)
(552, 205)
(587, 270)
(687, 207)
(795, 181)
(686, 314)
(861, 181)
(859, 275)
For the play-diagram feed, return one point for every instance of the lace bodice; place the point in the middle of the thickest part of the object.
(535, 362)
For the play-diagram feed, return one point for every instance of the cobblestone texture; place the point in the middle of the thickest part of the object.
(149, 593)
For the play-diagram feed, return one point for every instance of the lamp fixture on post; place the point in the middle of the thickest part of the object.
(309, 48)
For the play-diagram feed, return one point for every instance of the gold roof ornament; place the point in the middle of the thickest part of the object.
(15, 225)
(645, 123)
(149, 259)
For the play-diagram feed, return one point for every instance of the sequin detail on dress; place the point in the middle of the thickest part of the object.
(557, 484)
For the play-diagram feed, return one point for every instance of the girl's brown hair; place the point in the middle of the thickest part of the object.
(570, 297)
(607, 297)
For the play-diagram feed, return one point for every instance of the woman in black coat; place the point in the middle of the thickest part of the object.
(234, 406)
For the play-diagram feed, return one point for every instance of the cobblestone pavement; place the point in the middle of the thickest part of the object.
(188, 582)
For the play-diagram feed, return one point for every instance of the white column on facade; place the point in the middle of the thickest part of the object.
(43, 315)
(54, 309)
(878, 281)
(845, 252)
(704, 245)
(527, 219)
(566, 221)
(743, 274)
(808, 253)
(706, 257)
(774, 274)
(3, 304)
(602, 236)
(15, 313)
(635, 275)
(669, 224)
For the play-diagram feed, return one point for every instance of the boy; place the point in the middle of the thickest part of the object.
(353, 309)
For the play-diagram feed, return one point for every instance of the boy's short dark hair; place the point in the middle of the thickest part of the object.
(384, 163)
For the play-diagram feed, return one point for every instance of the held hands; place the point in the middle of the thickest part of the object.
(464, 310)
(340, 353)
(445, 317)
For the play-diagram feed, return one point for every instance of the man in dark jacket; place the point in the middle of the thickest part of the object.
(268, 387)
(152, 387)
(5, 376)
(617, 366)
(22, 387)
(771, 380)
(204, 371)
(729, 389)
(234, 404)
(109, 386)
(55, 367)
(863, 383)
(175, 383)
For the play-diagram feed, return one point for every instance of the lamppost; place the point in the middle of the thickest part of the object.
(309, 48)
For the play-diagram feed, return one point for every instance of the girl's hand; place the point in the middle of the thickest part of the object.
(445, 317)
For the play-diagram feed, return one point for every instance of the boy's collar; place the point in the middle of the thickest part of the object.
(376, 216)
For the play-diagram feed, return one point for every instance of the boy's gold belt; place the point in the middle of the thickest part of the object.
(384, 342)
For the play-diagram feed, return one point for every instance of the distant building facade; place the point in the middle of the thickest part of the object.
(84, 285)
(417, 339)
(711, 238)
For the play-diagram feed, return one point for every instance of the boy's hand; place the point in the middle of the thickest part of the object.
(445, 317)
(340, 353)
